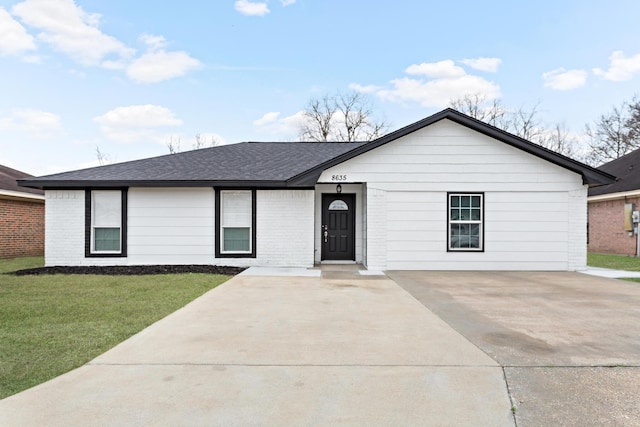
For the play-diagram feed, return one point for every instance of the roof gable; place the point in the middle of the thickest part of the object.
(590, 175)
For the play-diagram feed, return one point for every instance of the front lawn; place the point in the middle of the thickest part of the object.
(51, 324)
(616, 262)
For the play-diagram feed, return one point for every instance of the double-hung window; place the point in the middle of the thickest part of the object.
(106, 223)
(466, 222)
(236, 223)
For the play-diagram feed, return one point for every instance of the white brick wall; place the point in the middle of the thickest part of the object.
(285, 228)
(377, 225)
(577, 229)
(177, 226)
(64, 227)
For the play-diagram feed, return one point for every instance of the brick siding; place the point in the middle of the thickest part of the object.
(21, 228)
(606, 227)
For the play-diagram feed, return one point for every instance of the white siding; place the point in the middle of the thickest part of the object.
(535, 212)
(171, 226)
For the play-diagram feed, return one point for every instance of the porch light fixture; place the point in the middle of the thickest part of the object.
(338, 188)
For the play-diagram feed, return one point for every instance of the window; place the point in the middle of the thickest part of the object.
(338, 205)
(105, 228)
(235, 216)
(466, 218)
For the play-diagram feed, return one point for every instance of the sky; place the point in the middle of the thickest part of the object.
(127, 78)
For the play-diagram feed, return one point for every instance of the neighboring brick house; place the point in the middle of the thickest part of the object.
(21, 216)
(611, 229)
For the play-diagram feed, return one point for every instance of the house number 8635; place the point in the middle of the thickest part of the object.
(338, 177)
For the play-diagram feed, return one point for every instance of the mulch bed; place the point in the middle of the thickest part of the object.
(135, 270)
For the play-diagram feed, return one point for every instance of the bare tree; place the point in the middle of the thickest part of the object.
(527, 124)
(103, 159)
(477, 106)
(205, 142)
(173, 146)
(560, 140)
(341, 117)
(633, 123)
(615, 133)
(319, 117)
(523, 122)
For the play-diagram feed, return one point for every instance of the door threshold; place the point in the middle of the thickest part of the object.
(337, 262)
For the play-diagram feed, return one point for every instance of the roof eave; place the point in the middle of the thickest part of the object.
(83, 184)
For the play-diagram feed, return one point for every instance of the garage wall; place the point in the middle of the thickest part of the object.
(535, 212)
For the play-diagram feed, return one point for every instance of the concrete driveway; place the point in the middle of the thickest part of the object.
(569, 343)
(342, 349)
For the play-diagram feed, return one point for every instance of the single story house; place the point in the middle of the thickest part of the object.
(611, 207)
(446, 192)
(21, 216)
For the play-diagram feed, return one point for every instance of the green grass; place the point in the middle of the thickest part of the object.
(617, 262)
(7, 265)
(51, 324)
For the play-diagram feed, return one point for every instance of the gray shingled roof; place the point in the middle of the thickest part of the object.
(8, 179)
(627, 169)
(279, 164)
(248, 163)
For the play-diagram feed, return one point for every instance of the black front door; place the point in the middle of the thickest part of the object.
(338, 231)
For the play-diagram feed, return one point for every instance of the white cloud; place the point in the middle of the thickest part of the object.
(621, 68)
(37, 123)
(69, 29)
(136, 123)
(286, 3)
(489, 65)
(285, 127)
(440, 69)
(14, 39)
(561, 79)
(364, 89)
(157, 66)
(267, 119)
(443, 81)
(154, 42)
(251, 8)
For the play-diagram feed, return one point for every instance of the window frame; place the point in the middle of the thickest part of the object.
(89, 243)
(480, 222)
(219, 253)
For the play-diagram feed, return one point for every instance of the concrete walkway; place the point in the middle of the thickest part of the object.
(610, 273)
(338, 349)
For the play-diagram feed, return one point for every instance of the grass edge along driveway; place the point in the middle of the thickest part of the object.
(52, 324)
(616, 262)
